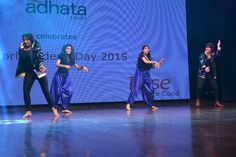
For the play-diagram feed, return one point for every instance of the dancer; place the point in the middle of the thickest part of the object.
(31, 67)
(142, 82)
(207, 72)
(61, 83)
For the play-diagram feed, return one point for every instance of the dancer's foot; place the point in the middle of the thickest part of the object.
(66, 111)
(218, 104)
(153, 108)
(27, 114)
(54, 119)
(197, 103)
(43, 155)
(55, 112)
(128, 108)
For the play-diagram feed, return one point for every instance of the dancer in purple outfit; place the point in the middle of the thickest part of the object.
(142, 82)
(61, 84)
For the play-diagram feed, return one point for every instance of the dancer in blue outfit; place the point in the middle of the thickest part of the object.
(142, 82)
(61, 84)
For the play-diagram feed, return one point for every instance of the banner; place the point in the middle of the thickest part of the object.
(107, 36)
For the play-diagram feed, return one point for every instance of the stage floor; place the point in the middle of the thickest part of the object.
(171, 131)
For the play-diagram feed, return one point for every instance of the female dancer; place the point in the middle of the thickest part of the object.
(29, 65)
(207, 72)
(142, 79)
(61, 83)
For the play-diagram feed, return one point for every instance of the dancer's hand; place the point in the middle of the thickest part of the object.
(207, 69)
(85, 69)
(219, 45)
(67, 67)
(161, 61)
(157, 65)
(42, 69)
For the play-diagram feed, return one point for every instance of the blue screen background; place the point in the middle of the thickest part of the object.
(114, 28)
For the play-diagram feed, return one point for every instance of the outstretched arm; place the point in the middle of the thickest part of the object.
(148, 61)
(84, 68)
(158, 64)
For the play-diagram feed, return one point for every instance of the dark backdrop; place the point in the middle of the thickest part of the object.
(208, 21)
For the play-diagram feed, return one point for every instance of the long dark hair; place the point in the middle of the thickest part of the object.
(148, 55)
(66, 56)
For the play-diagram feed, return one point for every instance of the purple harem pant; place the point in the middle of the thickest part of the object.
(61, 89)
(142, 83)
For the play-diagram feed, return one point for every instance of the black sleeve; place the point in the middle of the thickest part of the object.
(38, 57)
(202, 61)
(213, 67)
(19, 65)
(217, 54)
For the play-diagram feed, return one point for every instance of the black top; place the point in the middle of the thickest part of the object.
(205, 62)
(26, 60)
(65, 60)
(29, 60)
(141, 65)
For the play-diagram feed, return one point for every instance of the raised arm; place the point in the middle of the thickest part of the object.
(218, 50)
(219, 45)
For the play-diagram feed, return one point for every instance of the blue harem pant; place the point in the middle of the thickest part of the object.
(61, 89)
(142, 83)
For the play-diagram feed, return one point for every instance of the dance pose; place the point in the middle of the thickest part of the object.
(61, 83)
(142, 82)
(31, 64)
(207, 72)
